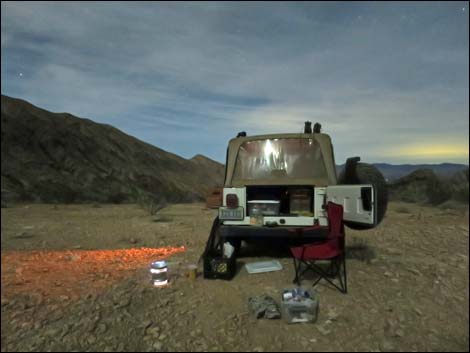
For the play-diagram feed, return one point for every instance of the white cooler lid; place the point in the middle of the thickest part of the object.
(263, 266)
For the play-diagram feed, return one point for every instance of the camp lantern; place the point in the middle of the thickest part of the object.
(159, 273)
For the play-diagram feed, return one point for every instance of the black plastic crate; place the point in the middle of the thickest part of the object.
(218, 267)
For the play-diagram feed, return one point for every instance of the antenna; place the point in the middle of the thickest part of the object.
(317, 128)
(308, 127)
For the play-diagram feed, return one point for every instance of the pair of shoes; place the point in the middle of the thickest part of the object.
(264, 306)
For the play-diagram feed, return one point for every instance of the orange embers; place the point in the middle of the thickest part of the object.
(73, 273)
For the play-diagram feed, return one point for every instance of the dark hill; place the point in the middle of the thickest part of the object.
(211, 167)
(421, 186)
(393, 172)
(57, 157)
(424, 186)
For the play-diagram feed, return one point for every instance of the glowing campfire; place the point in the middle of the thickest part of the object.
(72, 272)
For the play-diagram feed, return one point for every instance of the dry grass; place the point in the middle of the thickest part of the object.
(402, 209)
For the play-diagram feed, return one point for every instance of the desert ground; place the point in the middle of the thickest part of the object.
(75, 278)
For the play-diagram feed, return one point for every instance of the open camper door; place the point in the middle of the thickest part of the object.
(358, 201)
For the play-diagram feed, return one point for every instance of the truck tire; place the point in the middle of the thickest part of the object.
(368, 174)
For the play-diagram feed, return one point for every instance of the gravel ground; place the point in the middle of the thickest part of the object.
(74, 277)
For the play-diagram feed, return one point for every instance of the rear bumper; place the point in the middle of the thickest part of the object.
(314, 233)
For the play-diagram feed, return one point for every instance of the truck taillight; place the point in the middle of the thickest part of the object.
(231, 200)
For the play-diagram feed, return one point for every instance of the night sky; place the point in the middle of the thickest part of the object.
(388, 81)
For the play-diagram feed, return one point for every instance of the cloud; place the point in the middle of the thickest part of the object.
(431, 150)
(194, 74)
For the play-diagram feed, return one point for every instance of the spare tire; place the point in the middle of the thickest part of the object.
(367, 174)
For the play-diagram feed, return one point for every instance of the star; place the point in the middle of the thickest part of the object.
(21, 74)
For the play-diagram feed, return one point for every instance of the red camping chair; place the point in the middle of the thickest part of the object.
(332, 249)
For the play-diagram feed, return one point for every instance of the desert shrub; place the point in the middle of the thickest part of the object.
(459, 186)
(439, 191)
(461, 195)
(150, 203)
(153, 206)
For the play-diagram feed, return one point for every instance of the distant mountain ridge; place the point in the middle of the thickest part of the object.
(57, 157)
(394, 172)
